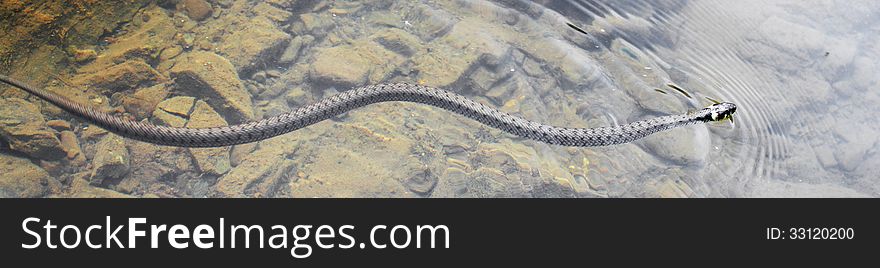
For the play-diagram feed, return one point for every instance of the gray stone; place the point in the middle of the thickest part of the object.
(429, 23)
(683, 146)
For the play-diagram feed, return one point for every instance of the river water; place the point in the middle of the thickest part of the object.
(802, 73)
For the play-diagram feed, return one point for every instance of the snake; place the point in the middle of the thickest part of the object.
(362, 96)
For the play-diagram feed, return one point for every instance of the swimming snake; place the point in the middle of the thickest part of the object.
(363, 96)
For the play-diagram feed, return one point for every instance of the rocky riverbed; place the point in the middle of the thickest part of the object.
(198, 63)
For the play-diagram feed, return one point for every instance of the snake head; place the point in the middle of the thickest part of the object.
(720, 111)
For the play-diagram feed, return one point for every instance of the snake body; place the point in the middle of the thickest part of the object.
(362, 96)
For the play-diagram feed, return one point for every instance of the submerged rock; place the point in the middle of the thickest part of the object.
(111, 160)
(22, 179)
(293, 49)
(195, 9)
(120, 77)
(213, 78)
(173, 112)
(256, 44)
(341, 65)
(683, 146)
(144, 101)
(24, 128)
(399, 41)
(260, 174)
(80, 188)
(429, 23)
(70, 144)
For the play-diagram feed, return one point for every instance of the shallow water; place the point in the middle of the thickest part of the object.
(801, 72)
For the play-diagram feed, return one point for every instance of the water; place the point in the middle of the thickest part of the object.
(801, 72)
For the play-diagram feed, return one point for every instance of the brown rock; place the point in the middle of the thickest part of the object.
(173, 112)
(22, 179)
(195, 9)
(141, 43)
(213, 78)
(341, 65)
(92, 133)
(144, 101)
(180, 105)
(24, 128)
(84, 55)
(58, 124)
(119, 77)
(70, 144)
(81, 188)
(398, 40)
(257, 43)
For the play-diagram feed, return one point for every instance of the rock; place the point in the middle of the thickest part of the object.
(24, 128)
(142, 103)
(259, 174)
(355, 64)
(195, 9)
(213, 78)
(21, 178)
(850, 155)
(180, 105)
(240, 152)
(398, 40)
(111, 160)
(120, 77)
(84, 55)
(260, 77)
(70, 144)
(825, 156)
(429, 23)
(257, 44)
(421, 182)
(798, 40)
(173, 112)
(682, 146)
(297, 97)
(81, 188)
(314, 24)
(460, 51)
(292, 51)
(273, 13)
(151, 164)
(58, 124)
(170, 53)
(273, 73)
(163, 118)
(143, 43)
(90, 133)
(209, 160)
(340, 66)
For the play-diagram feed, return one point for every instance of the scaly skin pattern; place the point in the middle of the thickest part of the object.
(363, 96)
